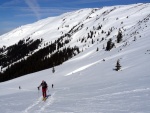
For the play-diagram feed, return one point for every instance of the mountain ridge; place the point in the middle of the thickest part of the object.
(74, 31)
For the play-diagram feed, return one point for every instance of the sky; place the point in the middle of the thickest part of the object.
(15, 13)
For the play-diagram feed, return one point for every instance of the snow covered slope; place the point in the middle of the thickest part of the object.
(87, 83)
(124, 17)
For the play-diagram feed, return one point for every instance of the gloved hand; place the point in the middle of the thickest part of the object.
(38, 88)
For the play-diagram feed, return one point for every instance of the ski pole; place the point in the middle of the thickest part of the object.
(38, 92)
(48, 91)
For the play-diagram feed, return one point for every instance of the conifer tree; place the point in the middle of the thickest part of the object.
(97, 49)
(92, 41)
(118, 66)
(53, 70)
(119, 36)
(109, 45)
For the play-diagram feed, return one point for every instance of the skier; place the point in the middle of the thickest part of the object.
(52, 85)
(44, 88)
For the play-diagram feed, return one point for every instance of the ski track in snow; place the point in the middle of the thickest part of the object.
(48, 102)
(40, 104)
(32, 106)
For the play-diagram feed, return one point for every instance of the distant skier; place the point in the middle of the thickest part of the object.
(52, 85)
(44, 88)
(19, 87)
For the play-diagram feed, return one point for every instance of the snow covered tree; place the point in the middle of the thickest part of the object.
(118, 66)
(110, 45)
(108, 33)
(92, 41)
(119, 36)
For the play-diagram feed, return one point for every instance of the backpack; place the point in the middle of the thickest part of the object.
(44, 85)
